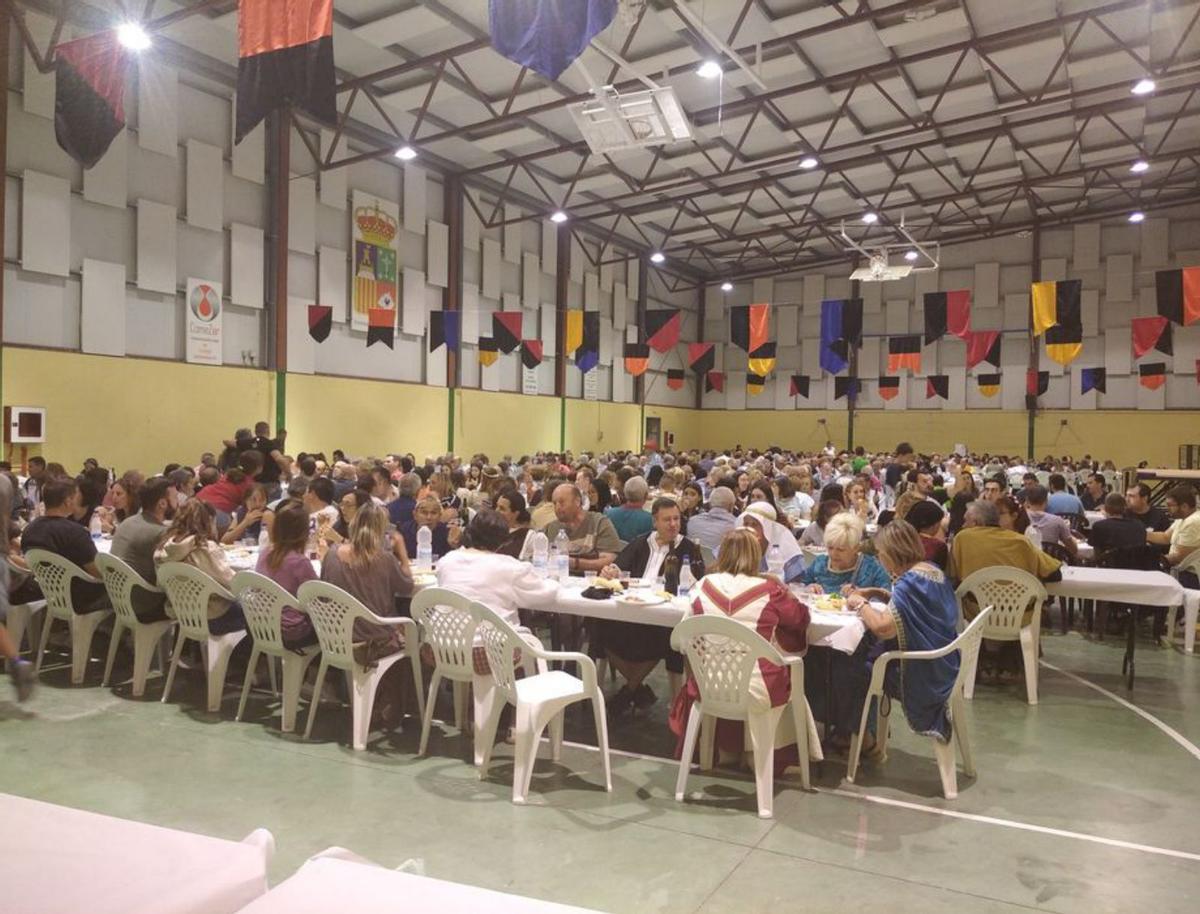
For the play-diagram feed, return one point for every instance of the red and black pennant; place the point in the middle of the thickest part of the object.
(845, 387)
(285, 56)
(506, 330)
(983, 346)
(1152, 375)
(1179, 295)
(662, 328)
(637, 358)
(531, 353)
(675, 378)
(748, 326)
(381, 326)
(320, 321)
(904, 352)
(715, 380)
(947, 311)
(937, 386)
(800, 386)
(702, 357)
(1036, 383)
(89, 97)
(889, 387)
(1151, 333)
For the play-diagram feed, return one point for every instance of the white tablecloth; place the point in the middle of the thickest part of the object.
(1147, 588)
(239, 558)
(58, 860)
(327, 884)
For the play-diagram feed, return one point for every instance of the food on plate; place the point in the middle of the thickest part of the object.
(644, 598)
(830, 603)
(608, 584)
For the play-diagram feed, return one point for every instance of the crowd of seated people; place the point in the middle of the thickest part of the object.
(899, 527)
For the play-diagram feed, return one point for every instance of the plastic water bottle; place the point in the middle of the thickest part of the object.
(541, 554)
(424, 549)
(94, 526)
(687, 581)
(775, 561)
(562, 555)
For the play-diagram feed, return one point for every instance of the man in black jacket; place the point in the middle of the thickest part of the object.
(635, 649)
(1116, 530)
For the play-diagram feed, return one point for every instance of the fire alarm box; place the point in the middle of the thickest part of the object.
(24, 425)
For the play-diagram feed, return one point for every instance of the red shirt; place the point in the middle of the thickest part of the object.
(224, 495)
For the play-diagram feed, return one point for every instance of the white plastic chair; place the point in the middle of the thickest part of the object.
(333, 612)
(188, 591)
(120, 581)
(723, 654)
(448, 627)
(967, 644)
(263, 602)
(22, 617)
(54, 575)
(540, 700)
(1191, 608)
(1010, 592)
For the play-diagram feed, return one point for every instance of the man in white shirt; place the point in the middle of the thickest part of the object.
(1183, 536)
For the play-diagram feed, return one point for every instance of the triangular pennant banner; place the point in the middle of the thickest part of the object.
(1093, 379)
(845, 387)
(1148, 333)
(662, 328)
(983, 346)
(1037, 383)
(531, 353)
(89, 95)
(320, 321)
(675, 378)
(637, 358)
(715, 380)
(799, 386)
(937, 385)
(701, 357)
(381, 326)
(506, 330)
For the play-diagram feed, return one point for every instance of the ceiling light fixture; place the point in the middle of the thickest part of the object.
(726, 287)
(870, 218)
(1143, 86)
(809, 162)
(133, 36)
(1139, 166)
(1137, 217)
(406, 153)
(911, 255)
(710, 69)
(558, 216)
(657, 257)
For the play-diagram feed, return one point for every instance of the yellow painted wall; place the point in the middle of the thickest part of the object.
(932, 430)
(1124, 436)
(593, 426)
(132, 413)
(797, 430)
(679, 422)
(503, 423)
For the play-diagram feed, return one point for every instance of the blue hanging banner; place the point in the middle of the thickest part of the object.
(547, 35)
(834, 352)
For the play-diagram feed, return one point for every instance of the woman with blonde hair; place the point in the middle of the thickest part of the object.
(192, 539)
(843, 566)
(736, 589)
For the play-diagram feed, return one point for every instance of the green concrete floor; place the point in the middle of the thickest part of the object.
(1079, 762)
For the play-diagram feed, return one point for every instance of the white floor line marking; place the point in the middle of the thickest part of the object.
(1010, 823)
(1183, 741)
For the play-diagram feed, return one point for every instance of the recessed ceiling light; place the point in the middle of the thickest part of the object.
(406, 153)
(657, 257)
(1139, 166)
(726, 287)
(809, 162)
(911, 255)
(870, 218)
(133, 36)
(710, 69)
(1143, 86)
(1137, 217)
(558, 216)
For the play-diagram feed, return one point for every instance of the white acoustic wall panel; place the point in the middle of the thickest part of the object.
(37, 88)
(591, 292)
(1187, 351)
(1053, 269)
(622, 383)
(491, 269)
(106, 182)
(333, 182)
(958, 389)
(1118, 351)
(531, 281)
(620, 305)
(414, 199)
(714, 304)
(896, 317)
(301, 347)
(332, 269)
(102, 308)
(510, 301)
(246, 265)
(249, 156)
(869, 356)
(606, 348)
(1086, 249)
(1089, 308)
(1014, 363)
(512, 234)
(787, 327)
(302, 215)
(579, 259)
(156, 247)
(1016, 311)
(986, 290)
(763, 290)
(205, 170)
(735, 390)
(925, 282)
(46, 224)
(872, 297)
(1118, 278)
(1155, 237)
(814, 292)
(606, 273)
(810, 356)
(633, 269)
(412, 315)
(437, 253)
(158, 106)
(549, 248)
(470, 225)
(470, 316)
(548, 330)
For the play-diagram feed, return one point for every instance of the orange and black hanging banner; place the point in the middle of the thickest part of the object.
(755, 384)
(637, 358)
(662, 328)
(889, 387)
(506, 330)
(762, 359)
(1152, 375)
(1179, 295)
(904, 352)
(1151, 333)
(320, 321)
(285, 57)
(1036, 383)
(989, 384)
(947, 311)
(531, 353)
(488, 351)
(845, 387)
(937, 385)
(799, 386)
(381, 326)
(1056, 302)
(89, 95)
(983, 346)
(702, 357)
(675, 378)
(714, 380)
(748, 326)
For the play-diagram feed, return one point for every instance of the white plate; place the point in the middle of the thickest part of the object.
(637, 599)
